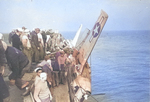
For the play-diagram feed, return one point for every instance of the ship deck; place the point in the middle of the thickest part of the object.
(60, 93)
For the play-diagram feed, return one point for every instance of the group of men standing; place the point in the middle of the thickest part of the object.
(28, 47)
(35, 44)
(57, 71)
(30, 43)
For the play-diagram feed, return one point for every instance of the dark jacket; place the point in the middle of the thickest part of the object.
(3, 89)
(16, 61)
(44, 37)
(56, 65)
(34, 39)
(47, 70)
(10, 37)
(16, 41)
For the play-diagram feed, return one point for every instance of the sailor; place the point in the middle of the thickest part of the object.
(10, 36)
(44, 40)
(48, 43)
(57, 54)
(46, 58)
(16, 39)
(38, 72)
(18, 64)
(41, 44)
(4, 93)
(26, 48)
(44, 36)
(23, 28)
(35, 45)
(26, 31)
(61, 63)
(47, 68)
(42, 92)
(70, 66)
(56, 68)
(36, 80)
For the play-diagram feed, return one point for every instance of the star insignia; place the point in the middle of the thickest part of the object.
(96, 29)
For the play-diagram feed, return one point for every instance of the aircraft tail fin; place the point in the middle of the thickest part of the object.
(74, 42)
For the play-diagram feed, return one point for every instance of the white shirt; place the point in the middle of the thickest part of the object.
(42, 63)
(28, 44)
(40, 38)
(48, 37)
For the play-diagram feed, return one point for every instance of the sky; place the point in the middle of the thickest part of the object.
(68, 15)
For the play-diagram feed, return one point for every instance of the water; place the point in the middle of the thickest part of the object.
(120, 65)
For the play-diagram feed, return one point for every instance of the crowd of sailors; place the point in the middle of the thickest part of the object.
(47, 49)
(36, 43)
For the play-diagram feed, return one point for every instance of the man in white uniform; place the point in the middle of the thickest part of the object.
(26, 48)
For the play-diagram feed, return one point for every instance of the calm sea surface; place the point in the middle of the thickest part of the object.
(120, 64)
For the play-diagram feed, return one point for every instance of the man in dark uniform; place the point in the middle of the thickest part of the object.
(56, 68)
(35, 45)
(10, 36)
(4, 93)
(18, 64)
(16, 39)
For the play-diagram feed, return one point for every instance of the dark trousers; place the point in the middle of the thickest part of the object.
(56, 78)
(35, 56)
(62, 74)
(62, 77)
(4, 93)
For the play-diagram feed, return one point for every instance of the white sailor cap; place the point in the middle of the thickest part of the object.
(20, 29)
(26, 30)
(38, 68)
(47, 53)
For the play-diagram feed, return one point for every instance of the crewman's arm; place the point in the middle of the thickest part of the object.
(51, 66)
